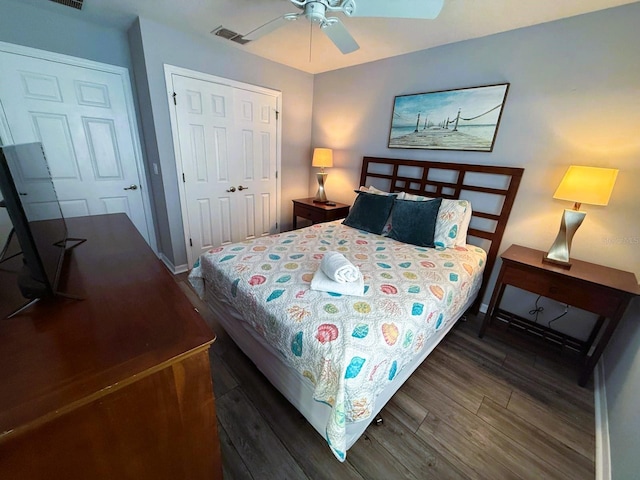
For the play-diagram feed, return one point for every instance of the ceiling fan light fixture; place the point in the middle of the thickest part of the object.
(315, 11)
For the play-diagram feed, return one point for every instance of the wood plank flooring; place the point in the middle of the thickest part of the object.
(492, 408)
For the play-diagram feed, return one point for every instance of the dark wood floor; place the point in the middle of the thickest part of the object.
(492, 408)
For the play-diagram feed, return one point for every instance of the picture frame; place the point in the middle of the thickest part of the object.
(464, 119)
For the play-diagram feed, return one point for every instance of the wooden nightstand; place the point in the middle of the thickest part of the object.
(317, 212)
(602, 290)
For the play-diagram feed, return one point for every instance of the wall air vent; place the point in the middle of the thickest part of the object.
(70, 3)
(229, 35)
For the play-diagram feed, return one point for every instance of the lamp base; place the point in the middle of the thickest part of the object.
(558, 254)
(320, 197)
(560, 263)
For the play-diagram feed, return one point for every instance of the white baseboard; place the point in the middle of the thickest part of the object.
(603, 448)
(181, 269)
(173, 268)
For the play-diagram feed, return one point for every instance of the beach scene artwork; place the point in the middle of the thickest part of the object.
(462, 119)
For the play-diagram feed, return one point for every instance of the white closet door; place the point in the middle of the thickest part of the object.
(227, 145)
(255, 122)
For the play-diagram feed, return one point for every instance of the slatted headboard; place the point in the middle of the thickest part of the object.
(491, 190)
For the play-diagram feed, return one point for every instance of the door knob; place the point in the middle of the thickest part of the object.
(232, 189)
(240, 187)
(131, 187)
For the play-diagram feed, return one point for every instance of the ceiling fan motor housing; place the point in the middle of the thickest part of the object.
(315, 11)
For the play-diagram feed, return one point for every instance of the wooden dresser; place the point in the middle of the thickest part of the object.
(114, 386)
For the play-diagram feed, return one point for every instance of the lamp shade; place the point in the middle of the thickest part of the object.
(590, 185)
(322, 157)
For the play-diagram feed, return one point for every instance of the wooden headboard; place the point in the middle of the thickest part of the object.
(491, 190)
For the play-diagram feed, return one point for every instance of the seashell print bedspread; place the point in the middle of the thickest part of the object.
(348, 347)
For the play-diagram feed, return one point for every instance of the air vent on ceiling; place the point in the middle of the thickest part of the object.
(70, 3)
(229, 35)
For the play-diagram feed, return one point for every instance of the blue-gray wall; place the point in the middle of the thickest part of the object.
(61, 29)
(574, 99)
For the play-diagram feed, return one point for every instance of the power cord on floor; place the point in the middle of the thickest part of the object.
(538, 310)
(566, 309)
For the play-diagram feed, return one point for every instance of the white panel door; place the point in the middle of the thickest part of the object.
(255, 123)
(80, 115)
(205, 137)
(227, 146)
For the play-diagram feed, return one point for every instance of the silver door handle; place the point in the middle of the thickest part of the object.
(232, 189)
(131, 187)
(240, 187)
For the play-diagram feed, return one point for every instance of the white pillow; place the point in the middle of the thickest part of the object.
(372, 189)
(453, 221)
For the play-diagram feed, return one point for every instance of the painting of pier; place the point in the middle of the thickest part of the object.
(462, 119)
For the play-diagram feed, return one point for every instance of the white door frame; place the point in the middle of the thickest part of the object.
(170, 70)
(5, 132)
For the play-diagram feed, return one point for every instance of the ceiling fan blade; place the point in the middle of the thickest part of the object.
(340, 36)
(267, 28)
(427, 9)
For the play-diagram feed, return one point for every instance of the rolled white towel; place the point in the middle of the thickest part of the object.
(323, 283)
(338, 268)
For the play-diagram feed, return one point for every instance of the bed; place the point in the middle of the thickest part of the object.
(339, 358)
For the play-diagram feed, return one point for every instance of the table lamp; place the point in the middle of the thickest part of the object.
(322, 157)
(590, 185)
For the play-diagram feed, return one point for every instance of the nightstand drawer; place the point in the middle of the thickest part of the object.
(580, 294)
(313, 214)
(318, 212)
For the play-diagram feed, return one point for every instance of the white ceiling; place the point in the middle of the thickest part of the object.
(378, 37)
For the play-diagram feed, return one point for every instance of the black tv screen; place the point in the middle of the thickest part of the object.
(30, 198)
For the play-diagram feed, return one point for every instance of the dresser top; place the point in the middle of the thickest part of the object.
(132, 319)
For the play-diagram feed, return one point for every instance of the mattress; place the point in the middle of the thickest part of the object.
(350, 353)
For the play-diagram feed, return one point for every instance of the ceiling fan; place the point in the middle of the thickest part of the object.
(316, 12)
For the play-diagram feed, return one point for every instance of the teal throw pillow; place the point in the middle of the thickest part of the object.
(415, 222)
(370, 212)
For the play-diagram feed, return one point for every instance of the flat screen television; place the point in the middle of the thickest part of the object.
(29, 195)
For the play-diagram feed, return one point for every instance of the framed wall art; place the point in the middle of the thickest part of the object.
(461, 119)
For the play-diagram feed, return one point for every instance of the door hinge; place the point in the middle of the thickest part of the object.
(277, 114)
(190, 243)
(276, 225)
(184, 180)
(276, 174)
(174, 98)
